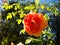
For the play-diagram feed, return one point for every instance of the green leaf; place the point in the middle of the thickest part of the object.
(46, 16)
(18, 6)
(48, 9)
(13, 13)
(15, 8)
(22, 31)
(26, 7)
(28, 41)
(35, 10)
(9, 16)
(11, 6)
(31, 7)
(3, 6)
(19, 21)
(22, 15)
(6, 7)
(42, 6)
(36, 3)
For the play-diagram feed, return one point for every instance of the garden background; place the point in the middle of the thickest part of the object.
(12, 13)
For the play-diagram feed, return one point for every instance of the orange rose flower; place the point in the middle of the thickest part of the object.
(34, 23)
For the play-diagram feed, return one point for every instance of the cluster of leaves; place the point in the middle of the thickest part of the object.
(14, 11)
(11, 24)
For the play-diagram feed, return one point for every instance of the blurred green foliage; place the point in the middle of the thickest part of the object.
(11, 26)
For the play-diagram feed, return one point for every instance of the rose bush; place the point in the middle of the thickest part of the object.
(34, 23)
